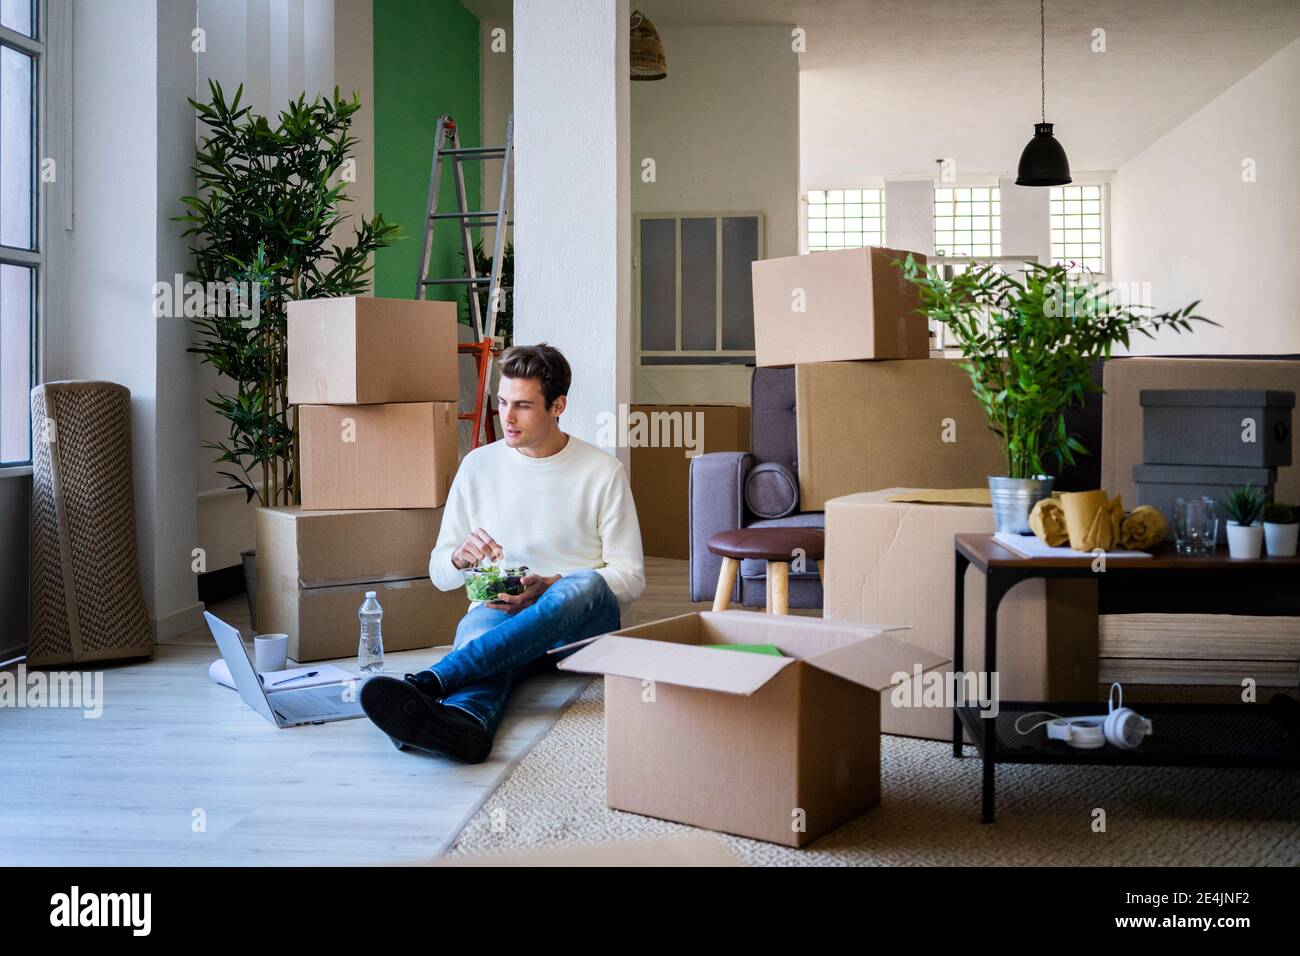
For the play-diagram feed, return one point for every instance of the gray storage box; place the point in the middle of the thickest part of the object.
(1161, 485)
(1243, 428)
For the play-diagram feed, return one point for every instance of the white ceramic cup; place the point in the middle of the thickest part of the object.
(271, 652)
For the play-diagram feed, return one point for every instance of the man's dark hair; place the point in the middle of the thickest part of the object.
(542, 362)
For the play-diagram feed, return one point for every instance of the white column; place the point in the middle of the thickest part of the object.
(572, 197)
(1026, 221)
(909, 215)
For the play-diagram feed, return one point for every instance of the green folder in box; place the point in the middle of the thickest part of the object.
(769, 649)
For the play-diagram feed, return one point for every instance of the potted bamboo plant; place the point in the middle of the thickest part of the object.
(268, 216)
(1028, 343)
(1245, 535)
(1281, 529)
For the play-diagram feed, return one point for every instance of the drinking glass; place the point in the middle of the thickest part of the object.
(1196, 525)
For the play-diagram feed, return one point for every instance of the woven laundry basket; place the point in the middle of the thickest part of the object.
(87, 603)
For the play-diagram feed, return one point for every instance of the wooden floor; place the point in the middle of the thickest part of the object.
(178, 770)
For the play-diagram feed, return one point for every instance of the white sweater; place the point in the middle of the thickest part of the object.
(570, 511)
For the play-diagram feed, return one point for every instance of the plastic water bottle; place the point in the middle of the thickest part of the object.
(370, 653)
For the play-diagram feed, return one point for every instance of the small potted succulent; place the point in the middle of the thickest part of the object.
(1243, 507)
(1281, 529)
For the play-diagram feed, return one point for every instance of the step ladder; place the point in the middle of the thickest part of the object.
(483, 311)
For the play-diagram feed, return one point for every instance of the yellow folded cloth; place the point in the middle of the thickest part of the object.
(1144, 528)
(1093, 519)
(1047, 520)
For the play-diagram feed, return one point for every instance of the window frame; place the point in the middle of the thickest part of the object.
(1104, 187)
(36, 258)
(738, 355)
(995, 232)
(807, 216)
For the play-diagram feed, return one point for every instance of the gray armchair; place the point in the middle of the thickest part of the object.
(717, 497)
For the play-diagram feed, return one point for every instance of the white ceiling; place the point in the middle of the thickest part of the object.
(889, 86)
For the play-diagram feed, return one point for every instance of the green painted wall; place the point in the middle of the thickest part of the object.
(426, 64)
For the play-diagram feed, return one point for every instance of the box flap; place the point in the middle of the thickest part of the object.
(683, 664)
(874, 661)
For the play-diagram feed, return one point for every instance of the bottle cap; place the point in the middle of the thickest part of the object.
(370, 594)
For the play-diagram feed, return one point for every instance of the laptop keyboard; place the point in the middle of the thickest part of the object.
(308, 702)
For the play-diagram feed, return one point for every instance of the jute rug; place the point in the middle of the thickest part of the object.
(929, 814)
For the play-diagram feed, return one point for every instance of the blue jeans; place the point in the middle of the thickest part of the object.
(494, 650)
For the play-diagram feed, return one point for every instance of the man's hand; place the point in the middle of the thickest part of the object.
(475, 548)
(534, 587)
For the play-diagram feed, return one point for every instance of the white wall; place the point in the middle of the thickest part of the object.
(496, 102)
(1183, 220)
(133, 71)
(277, 49)
(723, 130)
(572, 218)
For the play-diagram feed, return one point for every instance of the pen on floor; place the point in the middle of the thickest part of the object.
(289, 680)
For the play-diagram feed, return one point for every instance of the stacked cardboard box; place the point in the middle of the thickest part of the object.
(661, 466)
(873, 409)
(376, 384)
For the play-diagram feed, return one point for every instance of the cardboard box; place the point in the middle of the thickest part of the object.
(360, 350)
(890, 561)
(863, 426)
(782, 749)
(314, 568)
(1121, 424)
(312, 549)
(856, 305)
(376, 456)
(661, 473)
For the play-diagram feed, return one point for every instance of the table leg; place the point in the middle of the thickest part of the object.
(959, 640)
(996, 585)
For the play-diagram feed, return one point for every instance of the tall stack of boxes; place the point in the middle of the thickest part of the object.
(376, 385)
(879, 419)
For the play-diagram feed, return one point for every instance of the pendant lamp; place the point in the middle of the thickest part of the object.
(646, 50)
(1043, 162)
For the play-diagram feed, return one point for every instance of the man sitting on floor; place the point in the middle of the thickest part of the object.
(539, 498)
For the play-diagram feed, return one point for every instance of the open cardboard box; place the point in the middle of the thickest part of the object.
(782, 749)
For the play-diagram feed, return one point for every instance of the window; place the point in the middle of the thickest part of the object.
(1077, 226)
(845, 218)
(694, 297)
(21, 54)
(968, 221)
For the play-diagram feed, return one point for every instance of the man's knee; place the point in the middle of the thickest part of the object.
(587, 587)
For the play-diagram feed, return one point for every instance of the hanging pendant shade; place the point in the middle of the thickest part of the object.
(646, 50)
(1043, 161)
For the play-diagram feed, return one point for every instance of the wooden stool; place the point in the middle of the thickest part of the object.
(776, 546)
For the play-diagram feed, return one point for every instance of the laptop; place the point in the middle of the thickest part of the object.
(286, 707)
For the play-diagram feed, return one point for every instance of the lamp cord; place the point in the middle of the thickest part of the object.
(1042, 55)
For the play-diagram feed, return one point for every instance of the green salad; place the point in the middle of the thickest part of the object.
(484, 584)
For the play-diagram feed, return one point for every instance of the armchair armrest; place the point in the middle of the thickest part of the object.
(717, 503)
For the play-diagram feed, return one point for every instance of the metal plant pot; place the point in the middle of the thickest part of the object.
(1014, 498)
(250, 584)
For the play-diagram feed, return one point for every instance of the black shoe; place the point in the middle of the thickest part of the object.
(428, 682)
(411, 718)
